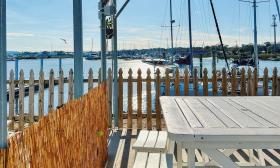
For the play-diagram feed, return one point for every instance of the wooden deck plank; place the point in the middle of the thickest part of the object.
(152, 139)
(153, 160)
(161, 140)
(141, 140)
(141, 160)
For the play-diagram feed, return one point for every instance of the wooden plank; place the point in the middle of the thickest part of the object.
(214, 83)
(233, 82)
(31, 97)
(224, 82)
(151, 140)
(274, 82)
(71, 85)
(249, 83)
(195, 82)
(90, 79)
(265, 82)
(205, 82)
(21, 100)
(149, 100)
(153, 160)
(186, 82)
(99, 76)
(11, 99)
(220, 158)
(51, 91)
(61, 88)
(141, 139)
(157, 103)
(204, 115)
(188, 113)
(139, 99)
(177, 82)
(129, 99)
(255, 82)
(120, 99)
(41, 94)
(166, 160)
(161, 143)
(243, 83)
(167, 82)
(141, 160)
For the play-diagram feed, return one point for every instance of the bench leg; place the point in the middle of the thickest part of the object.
(171, 145)
(191, 158)
(179, 154)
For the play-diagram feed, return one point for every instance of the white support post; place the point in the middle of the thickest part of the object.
(78, 49)
(3, 76)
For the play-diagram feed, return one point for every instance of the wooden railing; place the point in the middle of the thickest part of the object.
(145, 113)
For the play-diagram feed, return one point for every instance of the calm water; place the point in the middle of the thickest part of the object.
(27, 65)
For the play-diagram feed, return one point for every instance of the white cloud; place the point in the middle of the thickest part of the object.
(18, 34)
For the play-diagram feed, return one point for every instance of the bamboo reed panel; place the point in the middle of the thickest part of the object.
(73, 136)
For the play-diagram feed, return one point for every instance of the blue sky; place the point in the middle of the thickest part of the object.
(36, 25)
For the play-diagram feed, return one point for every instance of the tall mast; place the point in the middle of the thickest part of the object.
(190, 36)
(274, 25)
(171, 31)
(256, 52)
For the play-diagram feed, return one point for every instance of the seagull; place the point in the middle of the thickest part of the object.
(65, 41)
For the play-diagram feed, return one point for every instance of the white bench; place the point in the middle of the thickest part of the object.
(151, 141)
(153, 160)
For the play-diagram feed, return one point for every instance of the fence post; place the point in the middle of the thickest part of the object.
(256, 80)
(11, 99)
(149, 100)
(224, 82)
(139, 99)
(70, 85)
(158, 112)
(274, 82)
(99, 76)
(243, 83)
(61, 88)
(249, 83)
(120, 99)
(41, 94)
(205, 82)
(90, 79)
(21, 100)
(31, 98)
(51, 91)
(177, 82)
(186, 82)
(214, 83)
(265, 82)
(167, 82)
(233, 82)
(195, 82)
(129, 99)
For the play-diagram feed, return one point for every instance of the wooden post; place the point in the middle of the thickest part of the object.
(177, 82)
(274, 82)
(167, 82)
(109, 91)
(224, 82)
(243, 83)
(51, 91)
(21, 101)
(90, 79)
(139, 99)
(158, 112)
(195, 82)
(233, 82)
(11, 99)
(205, 82)
(186, 82)
(214, 83)
(70, 85)
(149, 100)
(249, 83)
(265, 82)
(31, 97)
(120, 99)
(129, 99)
(41, 94)
(255, 82)
(61, 88)
(99, 76)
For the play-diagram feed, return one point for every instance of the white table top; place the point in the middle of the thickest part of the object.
(248, 119)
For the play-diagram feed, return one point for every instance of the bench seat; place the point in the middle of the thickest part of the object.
(153, 160)
(151, 141)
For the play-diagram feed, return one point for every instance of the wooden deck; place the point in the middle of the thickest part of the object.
(121, 154)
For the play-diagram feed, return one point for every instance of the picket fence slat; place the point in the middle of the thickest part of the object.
(11, 99)
(149, 100)
(31, 97)
(139, 99)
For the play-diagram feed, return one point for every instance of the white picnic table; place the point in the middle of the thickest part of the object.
(218, 126)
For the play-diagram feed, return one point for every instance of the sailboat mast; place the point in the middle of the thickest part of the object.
(190, 37)
(256, 53)
(274, 25)
(171, 31)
